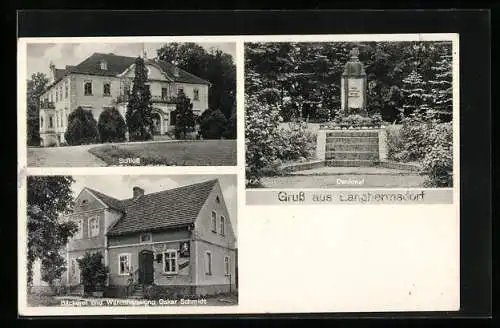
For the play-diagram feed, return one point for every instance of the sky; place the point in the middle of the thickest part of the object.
(120, 186)
(39, 55)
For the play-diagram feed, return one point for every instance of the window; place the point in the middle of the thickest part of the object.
(123, 264)
(164, 93)
(173, 117)
(126, 89)
(93, 227)
(51, 121)
(170, 261)
(66, 88)
(227, 266)
(104, 65)
(57, 94)
(79, 233)
(214, 221)
(88, 88)
(222, 222)
(208, 263)
(74, 264)
(196, 94)
(146, 237)
(107, 89)
(41, 122)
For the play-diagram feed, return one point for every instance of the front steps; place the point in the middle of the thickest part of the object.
(351, 148)
(138, 292)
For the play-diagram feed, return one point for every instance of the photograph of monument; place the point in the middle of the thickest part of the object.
(349, 114)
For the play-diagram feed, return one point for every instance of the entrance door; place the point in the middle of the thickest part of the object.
(146, 267)
(156, 124)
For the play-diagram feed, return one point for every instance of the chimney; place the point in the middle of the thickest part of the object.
(176, 71)
(138, 192)
(52, 68)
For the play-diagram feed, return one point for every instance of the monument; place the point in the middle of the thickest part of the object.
(353, 86)
(352, 141)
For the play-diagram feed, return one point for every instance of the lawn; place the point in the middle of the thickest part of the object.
(42, 300)
(190, 153)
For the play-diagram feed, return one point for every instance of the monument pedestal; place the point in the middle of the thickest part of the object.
(351, 147)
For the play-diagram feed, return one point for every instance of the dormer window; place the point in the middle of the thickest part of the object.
(104, 65)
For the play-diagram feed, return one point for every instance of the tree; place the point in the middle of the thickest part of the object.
(442, 91)
(185, 120)
(212, 124)
(48, 198)
(111, 126)
(231, 127)
(139, 116)
(214, 66)
(94, 272)
(414, 93)
(35, 88)
(53, 266)
(82, 128)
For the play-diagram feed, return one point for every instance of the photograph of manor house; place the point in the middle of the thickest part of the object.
(132, 237)
(349, 114)
(99, 104)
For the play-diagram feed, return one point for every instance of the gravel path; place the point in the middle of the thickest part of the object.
(73, 156)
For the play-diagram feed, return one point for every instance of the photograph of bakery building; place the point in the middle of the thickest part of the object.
(171, 243)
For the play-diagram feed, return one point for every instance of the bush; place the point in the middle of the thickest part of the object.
(111, 126)
(82, 128)
(212, 124)
(395, 144)
(262, 139)
(93, 271)
(323, 114)
(438, 161)
(295, 143)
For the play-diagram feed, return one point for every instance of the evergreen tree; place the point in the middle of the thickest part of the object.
(139, 110)
(415, 95)
(185, 120)
(442, 97)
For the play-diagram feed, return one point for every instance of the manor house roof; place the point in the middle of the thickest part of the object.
(116, 64)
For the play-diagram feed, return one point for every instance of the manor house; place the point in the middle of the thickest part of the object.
(105, 80)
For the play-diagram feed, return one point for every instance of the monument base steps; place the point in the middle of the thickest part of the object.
(351, 148)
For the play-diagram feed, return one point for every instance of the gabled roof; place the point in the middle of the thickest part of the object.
(117, 64)
(161, 210)
(110, 201)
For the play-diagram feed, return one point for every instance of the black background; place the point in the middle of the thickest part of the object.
(475, 104)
